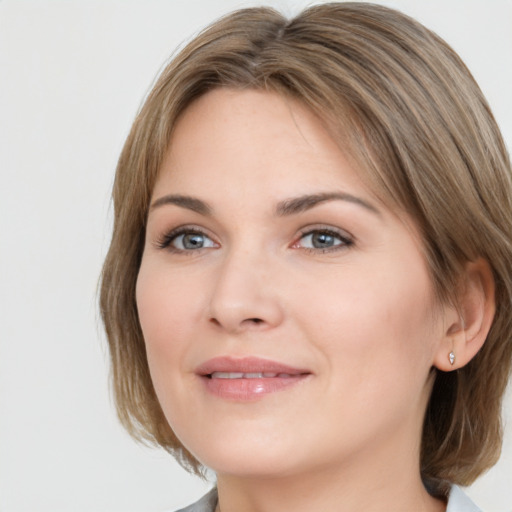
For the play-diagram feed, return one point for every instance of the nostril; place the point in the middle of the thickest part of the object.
(252, 320)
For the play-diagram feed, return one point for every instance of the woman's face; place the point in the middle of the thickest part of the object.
(288, 315)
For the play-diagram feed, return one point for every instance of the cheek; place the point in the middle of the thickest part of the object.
(167, 309)
(370, 316)
(376, 336)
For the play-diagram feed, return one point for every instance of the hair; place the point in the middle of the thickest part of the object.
(407, 110)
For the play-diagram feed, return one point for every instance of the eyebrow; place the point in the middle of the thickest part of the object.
(308, 201)
(283, 208)
(188, 202)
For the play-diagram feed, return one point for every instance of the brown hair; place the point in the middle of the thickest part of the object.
(410, 114)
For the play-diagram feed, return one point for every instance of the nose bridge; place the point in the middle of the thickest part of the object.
(243, 296)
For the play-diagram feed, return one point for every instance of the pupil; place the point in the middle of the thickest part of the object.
(321, 240)
(193, 241)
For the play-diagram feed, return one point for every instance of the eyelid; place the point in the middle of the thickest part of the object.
(164, 241)
(346, 238)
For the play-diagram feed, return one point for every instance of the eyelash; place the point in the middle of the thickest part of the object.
(345, 239)
(166, 240)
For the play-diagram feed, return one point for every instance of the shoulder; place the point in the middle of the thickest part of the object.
(206, 504)
(459, 502)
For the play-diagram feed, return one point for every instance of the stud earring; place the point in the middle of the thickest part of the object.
(451, 357)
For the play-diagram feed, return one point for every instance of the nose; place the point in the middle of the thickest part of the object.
(245, 296)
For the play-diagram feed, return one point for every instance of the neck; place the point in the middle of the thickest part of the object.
(368, 486)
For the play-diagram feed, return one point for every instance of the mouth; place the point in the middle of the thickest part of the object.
(250, 375)
(248, 378)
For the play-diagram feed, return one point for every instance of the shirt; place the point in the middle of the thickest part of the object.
(457, 502)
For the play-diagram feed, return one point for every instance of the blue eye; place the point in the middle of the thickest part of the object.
(186, 240)
(323, 239)
(192, 241)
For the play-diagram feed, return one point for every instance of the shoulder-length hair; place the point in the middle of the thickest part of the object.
(404, 106)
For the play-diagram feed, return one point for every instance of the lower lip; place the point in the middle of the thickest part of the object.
(250, 389)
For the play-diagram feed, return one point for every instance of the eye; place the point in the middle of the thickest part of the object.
(323, 240)
(192, 241)
(186, 239)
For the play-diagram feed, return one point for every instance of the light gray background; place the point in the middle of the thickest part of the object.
(72, 76)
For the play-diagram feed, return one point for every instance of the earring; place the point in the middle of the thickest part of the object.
(451, 357)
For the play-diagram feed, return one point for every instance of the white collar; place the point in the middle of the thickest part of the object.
(459, 502)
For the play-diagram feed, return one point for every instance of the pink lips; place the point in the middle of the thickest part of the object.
(247, 378)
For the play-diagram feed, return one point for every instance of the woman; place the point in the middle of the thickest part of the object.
(308, 288)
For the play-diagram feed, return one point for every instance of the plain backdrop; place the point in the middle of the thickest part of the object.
(72, 77)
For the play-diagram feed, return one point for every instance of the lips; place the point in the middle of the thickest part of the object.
(248, 378)
(249, 375)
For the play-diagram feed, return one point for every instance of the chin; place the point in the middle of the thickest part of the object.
(250, 466)
(247, 455)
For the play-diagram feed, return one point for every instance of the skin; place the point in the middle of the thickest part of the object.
(360, 315)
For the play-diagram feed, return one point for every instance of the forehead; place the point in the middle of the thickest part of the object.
(252, 137)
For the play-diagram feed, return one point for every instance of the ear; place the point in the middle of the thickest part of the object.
(468, 324)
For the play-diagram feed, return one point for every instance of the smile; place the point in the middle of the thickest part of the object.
(255, 375)
(249, 378)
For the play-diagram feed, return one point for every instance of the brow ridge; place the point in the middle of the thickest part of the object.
(283, 208)
(306, 202)
(188, 202)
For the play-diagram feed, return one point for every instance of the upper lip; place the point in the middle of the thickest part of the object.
(246, 365)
